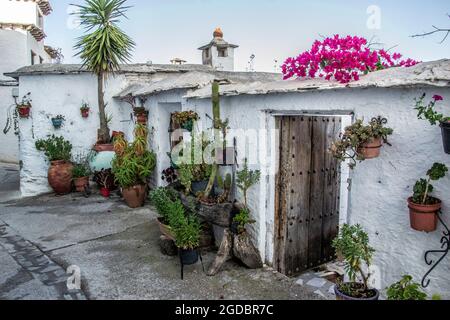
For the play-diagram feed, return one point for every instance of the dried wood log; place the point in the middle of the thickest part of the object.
(246, 252)
(223, 255)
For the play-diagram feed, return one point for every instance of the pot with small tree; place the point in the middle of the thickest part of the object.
(24, 106)
(360, 142)
(58, 121)
(133, 166)
(406, 290)
(81, 173)
(424, 208)
(246, 178)
(85, 109)
(353, 245)
(58, 152)
(428, 112)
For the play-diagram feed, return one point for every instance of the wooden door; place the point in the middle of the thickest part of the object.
(307, 193)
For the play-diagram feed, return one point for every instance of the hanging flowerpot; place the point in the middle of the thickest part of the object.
(142, 118)
(24, 111)
(371, 149)
(85, 113)
(60, 177)
(135, 196)
(188, 125)
(58, 122)
(445, 126)
(424, 217)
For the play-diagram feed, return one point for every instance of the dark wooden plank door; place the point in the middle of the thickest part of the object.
(307, 193)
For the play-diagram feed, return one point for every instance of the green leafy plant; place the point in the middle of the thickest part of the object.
(347, 147)
(186, 119)
(81, 167)
(135, 164)
(55, 148)
(59, 117)
(225, 185)
(246, 179)
(353, 245)
(104, 47)
(243, 219)
(85, 106)
(25, 102)
(187, 232)
(423, 188)
(162, 199)
(406, 289)
(428, 112)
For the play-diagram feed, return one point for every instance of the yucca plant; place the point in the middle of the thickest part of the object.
(104, 47)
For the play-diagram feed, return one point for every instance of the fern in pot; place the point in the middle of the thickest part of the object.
(133, 166)
(353, 245)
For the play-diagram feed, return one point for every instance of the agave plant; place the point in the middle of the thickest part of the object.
(104, 47)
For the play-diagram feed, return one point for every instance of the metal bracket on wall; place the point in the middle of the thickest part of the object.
(445, 248)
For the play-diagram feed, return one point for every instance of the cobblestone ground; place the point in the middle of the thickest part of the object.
(36, 270)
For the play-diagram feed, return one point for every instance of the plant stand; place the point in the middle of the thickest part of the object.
(182, 264)
(445, 248)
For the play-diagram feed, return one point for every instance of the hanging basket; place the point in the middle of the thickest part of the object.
(445, 126)
(57, 123)
(24, 111)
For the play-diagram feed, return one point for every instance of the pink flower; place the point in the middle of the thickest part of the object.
(437, 98)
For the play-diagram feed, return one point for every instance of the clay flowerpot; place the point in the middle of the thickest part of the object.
(372, 149)
(60, 177)
(105, 192)
(104, 148)
(85, 113)
(424, 218)
(373, 293)
(24, 111)
(165, 229)
(81, 184)
(135, 196)
(445, 126)
(142, 118)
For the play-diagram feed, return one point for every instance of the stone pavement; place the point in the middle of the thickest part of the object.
(116, 250)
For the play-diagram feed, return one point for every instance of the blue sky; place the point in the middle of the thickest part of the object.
(270, 29)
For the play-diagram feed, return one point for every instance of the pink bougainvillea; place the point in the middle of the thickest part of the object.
(343, 58)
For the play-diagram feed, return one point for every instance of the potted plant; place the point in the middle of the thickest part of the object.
(186, 119)
(102, 49)
(24, 107)
(187, 235)
(81, 173)
(85, 109)
(360, 142)
(105, 181)
(58, 152)
(133, 167)
(424, 208)
(58, 121)
(169, 175)
(353, 245)
(194, 177)
(428, 112)
(406, 289)
(141, 115)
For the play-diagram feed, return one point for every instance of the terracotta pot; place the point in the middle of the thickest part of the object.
(60, 177)
(142, 118)
(424, 218)
(104, 148)
(81, 184)
(165, 230)
(24, 111)
(135, 196)
(105, 192)
(85, 113)
(371, 150)
(343, 297)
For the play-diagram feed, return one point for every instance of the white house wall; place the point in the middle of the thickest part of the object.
(379, 188)
(9, 143)
(54, 95)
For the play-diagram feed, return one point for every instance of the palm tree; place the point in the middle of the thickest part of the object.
(104, 47)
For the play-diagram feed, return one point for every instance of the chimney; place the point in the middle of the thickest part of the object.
(218, 53)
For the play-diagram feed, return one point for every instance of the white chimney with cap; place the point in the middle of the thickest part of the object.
(218, 53)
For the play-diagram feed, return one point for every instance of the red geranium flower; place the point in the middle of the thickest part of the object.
(438, 98)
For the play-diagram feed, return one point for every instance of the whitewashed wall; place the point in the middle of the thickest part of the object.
(379, 187)
(9, 143)
(54, 95)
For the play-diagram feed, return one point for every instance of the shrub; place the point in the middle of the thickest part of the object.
(428, 112)
(406, 289)
(247, 178)
(162, 199)
(356, 135)
(188, 233)
(353, 244)
(242, 219)
(55, 148)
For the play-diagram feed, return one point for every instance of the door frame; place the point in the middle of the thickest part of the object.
(266, 243)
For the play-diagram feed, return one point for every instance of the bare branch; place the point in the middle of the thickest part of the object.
(436, 30)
